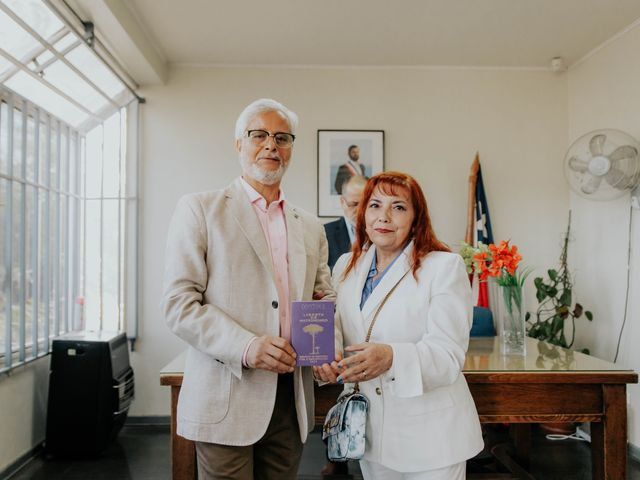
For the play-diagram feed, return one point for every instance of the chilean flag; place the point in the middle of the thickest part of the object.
(483, 232)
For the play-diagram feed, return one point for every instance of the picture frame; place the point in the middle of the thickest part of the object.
(338, 160)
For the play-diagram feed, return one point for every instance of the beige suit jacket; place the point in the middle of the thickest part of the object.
(219, 292)
(421, 413)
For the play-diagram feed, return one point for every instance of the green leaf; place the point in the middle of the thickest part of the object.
(565, 298)
(541, 295)
(537, 282)
(552, 274)
(527, 316)
(589, 315)
(552, 292)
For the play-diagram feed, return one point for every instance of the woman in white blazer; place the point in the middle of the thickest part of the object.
(422, 422)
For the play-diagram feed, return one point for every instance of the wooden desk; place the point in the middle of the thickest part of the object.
(549, 384)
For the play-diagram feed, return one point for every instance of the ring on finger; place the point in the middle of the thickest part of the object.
(364, 374)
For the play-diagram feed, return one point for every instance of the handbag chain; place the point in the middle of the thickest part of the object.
(356, 387)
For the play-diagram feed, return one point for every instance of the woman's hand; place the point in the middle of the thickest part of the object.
(328, 372)
(370, 361)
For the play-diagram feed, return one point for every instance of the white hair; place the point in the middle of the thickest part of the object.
(260, 106)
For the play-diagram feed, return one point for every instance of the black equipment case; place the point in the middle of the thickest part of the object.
(91, 386)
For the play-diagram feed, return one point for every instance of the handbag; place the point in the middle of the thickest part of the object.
(346, 422)
(345, 426)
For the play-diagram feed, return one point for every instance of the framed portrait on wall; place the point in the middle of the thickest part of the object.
(342, 154)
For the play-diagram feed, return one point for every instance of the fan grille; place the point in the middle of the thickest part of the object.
(603, 164)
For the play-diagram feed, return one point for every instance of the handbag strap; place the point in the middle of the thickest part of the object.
(375, 316)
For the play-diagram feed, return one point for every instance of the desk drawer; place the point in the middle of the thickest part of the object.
(537, 399)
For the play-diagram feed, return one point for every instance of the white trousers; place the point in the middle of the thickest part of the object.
(375, 471)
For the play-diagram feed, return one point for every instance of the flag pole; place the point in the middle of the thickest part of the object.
(471, 202)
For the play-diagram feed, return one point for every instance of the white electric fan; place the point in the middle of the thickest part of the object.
(603, 165)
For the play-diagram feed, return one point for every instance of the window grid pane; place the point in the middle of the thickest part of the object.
(5, 294)
(69, 82)
(38, 16)
(55, 214)
(35, 235)
(22, 235)
(17, 273)
(39, 48)
(58, 245)
(7, 286)
(40, 94)
(15, 40)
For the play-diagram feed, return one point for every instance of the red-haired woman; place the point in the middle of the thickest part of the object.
(422, 421)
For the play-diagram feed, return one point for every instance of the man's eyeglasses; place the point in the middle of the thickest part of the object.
(282, 140)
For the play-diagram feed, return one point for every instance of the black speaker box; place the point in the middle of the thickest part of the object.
(91, 386)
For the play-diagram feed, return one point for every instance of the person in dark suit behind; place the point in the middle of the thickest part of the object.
(349, 169)
(340, 233)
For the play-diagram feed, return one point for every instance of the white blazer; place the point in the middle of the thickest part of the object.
(219, 292)
(422, 415)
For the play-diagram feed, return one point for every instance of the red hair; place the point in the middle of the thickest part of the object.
(422, 234)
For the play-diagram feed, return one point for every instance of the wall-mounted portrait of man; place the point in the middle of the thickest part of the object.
(341, 155)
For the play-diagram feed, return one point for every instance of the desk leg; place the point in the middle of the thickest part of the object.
(183, 451)
(521, 435)
(609, 437)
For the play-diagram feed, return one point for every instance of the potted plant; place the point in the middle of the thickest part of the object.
(555, 304)
(555, 308)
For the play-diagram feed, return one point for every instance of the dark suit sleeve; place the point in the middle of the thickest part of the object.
(338, 240)
(329, 232)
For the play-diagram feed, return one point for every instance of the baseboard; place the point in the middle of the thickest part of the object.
(16, 466)
(148, 420)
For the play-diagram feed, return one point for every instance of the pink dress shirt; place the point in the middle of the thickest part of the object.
(273, 224)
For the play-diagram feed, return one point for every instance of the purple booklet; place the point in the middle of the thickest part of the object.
(313, 332)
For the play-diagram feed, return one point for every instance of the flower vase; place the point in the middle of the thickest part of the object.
(511, 318)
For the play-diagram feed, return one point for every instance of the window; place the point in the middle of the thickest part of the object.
(68, 194)
(39, 214)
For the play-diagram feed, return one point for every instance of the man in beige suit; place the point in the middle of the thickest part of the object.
(235, 260)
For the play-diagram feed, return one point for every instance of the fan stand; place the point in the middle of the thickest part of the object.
(635, 197)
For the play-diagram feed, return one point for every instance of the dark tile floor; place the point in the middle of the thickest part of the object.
(142, 452)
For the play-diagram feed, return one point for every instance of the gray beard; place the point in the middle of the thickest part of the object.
(262, 176)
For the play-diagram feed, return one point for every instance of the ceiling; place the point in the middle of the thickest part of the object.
(504, 33)
(147, 37)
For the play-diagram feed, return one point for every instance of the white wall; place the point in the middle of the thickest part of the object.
(23, 407)
(434, 122)
(604, 92)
